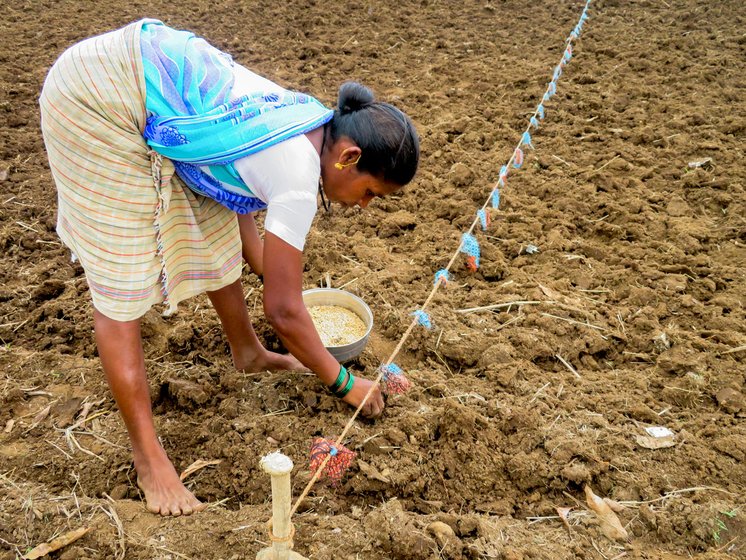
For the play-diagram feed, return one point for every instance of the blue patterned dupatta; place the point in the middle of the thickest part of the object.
(192, 121)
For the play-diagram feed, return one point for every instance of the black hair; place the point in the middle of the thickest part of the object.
(386, 136)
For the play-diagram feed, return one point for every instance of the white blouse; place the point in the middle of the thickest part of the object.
(284, 176)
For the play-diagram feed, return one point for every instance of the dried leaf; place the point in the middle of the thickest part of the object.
(56, 544)
(9, 426)
(39, 418)
(654, 442)
(198, 465)
(608, 520)
(66, 411)
(550, 293)
(85, 411)
(563, 512)
(3, 175)
(371, 472)
(614, 505)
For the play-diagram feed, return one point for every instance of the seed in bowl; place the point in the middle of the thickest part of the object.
(337, 326)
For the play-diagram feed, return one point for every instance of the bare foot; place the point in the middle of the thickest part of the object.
(164, 493)
(272, 362)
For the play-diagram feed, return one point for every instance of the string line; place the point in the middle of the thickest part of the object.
(436, 287)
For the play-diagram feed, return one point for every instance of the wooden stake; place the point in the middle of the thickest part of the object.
(281, 530)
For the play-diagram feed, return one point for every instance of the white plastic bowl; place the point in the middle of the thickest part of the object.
(332, 296)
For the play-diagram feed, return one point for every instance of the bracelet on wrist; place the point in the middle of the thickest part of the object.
(337, 385)
(343, 384)
(348, 386)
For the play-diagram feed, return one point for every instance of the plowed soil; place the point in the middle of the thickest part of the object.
(636, 297)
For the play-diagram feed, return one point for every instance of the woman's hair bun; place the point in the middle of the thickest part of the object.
(353, 97)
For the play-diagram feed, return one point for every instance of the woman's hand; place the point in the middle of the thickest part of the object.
(373, 406)
(283, 306)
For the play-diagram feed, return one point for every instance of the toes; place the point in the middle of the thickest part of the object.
(175, 505)
(192, 506)
(152, 508)
(200, 507)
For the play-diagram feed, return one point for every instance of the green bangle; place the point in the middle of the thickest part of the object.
(347, 387)
(337, 385)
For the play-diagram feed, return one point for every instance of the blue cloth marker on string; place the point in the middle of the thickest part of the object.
(545, 97)
(496, 198)
(423, 319)
(557, 73)
(518, 158)
(442, 276)
(484, 218)
(534, 122)
(526, 139)
(503, 177)
(540, 110)
(470, 246)
(392, 369)
(552, 88)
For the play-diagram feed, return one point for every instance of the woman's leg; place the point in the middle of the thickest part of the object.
(120, 349)
(247, 352)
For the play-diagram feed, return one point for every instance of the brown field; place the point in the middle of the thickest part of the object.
(640, 279)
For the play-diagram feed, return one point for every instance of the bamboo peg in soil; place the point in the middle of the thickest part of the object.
(281, 529)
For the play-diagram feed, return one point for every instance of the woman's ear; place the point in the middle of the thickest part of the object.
(348, 156)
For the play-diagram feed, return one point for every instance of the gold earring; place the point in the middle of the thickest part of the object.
(341, 166)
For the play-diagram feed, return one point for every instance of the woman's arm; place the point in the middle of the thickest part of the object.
(252, 246)
(284, 308)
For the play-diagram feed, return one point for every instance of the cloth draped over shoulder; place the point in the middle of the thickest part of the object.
(141, 236)
(193, 122)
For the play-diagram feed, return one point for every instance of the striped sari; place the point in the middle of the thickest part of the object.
(141, 236)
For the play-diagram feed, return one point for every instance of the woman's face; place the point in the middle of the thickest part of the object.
(347, 185)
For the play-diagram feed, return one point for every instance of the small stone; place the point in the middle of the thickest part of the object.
(678, 207)
(730, 399)
(441, 531)
(74, 553)
(577, 472)
(310, 400)
(119, 492)
(460, 175)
